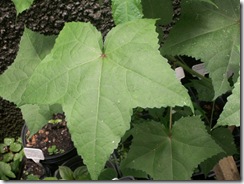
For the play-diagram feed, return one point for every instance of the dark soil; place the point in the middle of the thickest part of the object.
(48, 16)
(11, 120)
(52, 134)
(31, 169)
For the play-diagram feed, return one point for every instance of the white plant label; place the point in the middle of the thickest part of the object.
(200, 68)
(35, 154)
(180, 74)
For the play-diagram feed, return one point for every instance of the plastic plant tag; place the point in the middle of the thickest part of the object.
(180, 74)
(35, 154)
(200, 68)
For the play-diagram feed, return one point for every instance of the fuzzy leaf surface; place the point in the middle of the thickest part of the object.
(22, 5)
(98, 90)
(207, 1)
(36, 116)
(231, 113)
(212, 35)
(126, 10)
(33, 48)
(172, 157)
(162, 9)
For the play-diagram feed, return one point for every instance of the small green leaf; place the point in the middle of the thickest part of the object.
(8, 157)
(22, 5)
(66, 173)
(3, 177)
(19, 140)
(107, 174)
(15, 166)
(32, 177)
(81, 173)
(19, 156)
(170, 157)
(5, 171)
(8, 141)
(15, 147)
(126, 10)
(50, 178)
(3, 148)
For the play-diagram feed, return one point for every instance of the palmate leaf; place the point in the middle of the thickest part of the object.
(170, 157)
(231, 113)
(210, 34)
(126, 10)
(98, 89)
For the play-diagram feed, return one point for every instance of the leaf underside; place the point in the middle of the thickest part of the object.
(98, 90)
(172, 157)
(212, 35)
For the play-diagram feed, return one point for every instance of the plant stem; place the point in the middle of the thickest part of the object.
(187, 68)
(170, 121)
(212, 113)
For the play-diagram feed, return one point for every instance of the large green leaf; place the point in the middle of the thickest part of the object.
(231, 113)
(207, 1)
(210, 34)
(162, 9)
(33, 48)
(223, 137)
(126, 10)
(99, 89)
(22, 5)
(36, 116)
(170, 157)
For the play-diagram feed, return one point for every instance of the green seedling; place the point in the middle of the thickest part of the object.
(55, 121)
(53, 150)
(81, 173)
(11, 155)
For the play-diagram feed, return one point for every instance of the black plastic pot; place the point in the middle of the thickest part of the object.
(77, 161)
(53, 161)
(46, 170)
